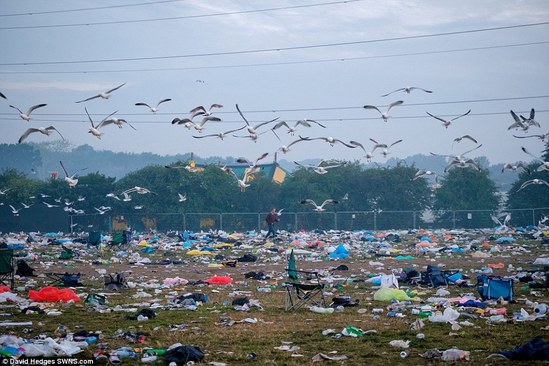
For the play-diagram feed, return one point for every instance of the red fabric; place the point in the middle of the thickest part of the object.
(53, 294)
(219, 280)
(4, 289)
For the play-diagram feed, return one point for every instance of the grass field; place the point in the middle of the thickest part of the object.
(256, 343)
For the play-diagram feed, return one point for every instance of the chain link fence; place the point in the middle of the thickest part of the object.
(40, 218)
(295, 221)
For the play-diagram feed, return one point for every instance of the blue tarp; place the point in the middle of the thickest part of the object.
(340, 252)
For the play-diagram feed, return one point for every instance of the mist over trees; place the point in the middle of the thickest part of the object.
(356, 187)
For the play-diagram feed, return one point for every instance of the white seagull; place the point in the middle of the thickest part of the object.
(468, 137)
(385, 147)
(155, 108)
(320, 208)
(103, 95)
(286, 148)
(94, 130)
(319, 169)
(49, 205)
(544, 164)
(252, 130)
(291, 129)
(182, 197)
(114, 121)
(532, 181)
(329, 139)
(26, 116)
(369, 154)
(3, 192)
(515, 167)
(138, 190)
(446, 122)
(220, 135)
(422, 172)
(43, 130)
(542, 136)
(15, 211)
(200, 110)
(70, 179)
(408, 90)
(384, 115)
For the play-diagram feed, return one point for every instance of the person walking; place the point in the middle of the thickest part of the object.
(271, 218)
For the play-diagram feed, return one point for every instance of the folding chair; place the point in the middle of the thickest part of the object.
(120, 239)
(64, 279)
(94, 239)
(299, 292)
(7, 268)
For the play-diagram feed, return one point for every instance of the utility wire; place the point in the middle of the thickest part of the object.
(279, 49)
(31, 13)
(282, 63)
(349, 119)
(180, 17)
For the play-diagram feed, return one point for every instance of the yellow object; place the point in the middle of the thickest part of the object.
(143, 243)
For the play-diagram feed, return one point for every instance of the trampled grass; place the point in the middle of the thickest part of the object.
(246, 343)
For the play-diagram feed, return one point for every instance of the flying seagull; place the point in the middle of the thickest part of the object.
(385, 147)
(115, 121)
(94, 130)
(422, 172)
(43, 130)
(26, 116)
(515, 167)
(320, 208)
(369, 154)
(220, 135)
(445, 122)
(532, 181)
(408, 90)
(252, 130)
(319, 169)
(291, 129)
(544, 164)
(542, 136)
(103, 95)
(329, 139)
(286, 148)
(200, 110)
(70, 179)
(384, 115)
(155, 108)
(468, 137)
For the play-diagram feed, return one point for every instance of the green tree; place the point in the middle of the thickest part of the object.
(532, 195)
(465, 190)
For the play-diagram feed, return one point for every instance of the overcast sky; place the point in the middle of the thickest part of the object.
(315, 59)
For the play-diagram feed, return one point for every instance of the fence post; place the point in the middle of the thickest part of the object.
(295, 221)
(220, 221)
(375, 221)
(184, 222)
(453, 219)
(533, 217)
(259, 222)
(414, 219)
(335, 220)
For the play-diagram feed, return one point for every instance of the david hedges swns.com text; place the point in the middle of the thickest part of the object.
(51, 361)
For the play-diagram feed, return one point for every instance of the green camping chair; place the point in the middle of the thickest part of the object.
(120, 239)
(302, 287)
(7, 268)
(94, 239)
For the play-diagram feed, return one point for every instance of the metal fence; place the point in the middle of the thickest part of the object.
(295, 221)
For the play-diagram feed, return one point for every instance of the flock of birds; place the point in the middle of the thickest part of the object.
(199, 116)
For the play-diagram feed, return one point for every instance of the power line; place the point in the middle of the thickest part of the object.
(88, 9)
(282, 63)
(181, 17)
(349, 119)
(279, 49)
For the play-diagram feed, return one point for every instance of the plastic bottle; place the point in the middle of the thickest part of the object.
(125, 354)
(424, 314)
(264, 289)
(155, 352)
(404, 354)
(455, 354)
(320, 310)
